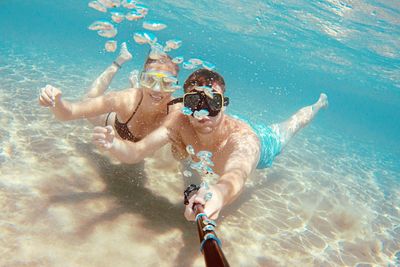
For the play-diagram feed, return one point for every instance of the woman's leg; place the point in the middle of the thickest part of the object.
(287, 129)
(101, 84)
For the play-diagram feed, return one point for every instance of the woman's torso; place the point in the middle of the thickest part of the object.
(133, 120)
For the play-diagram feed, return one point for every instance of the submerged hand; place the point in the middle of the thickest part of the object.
(103, 137)
(49, 96)
(212, 207)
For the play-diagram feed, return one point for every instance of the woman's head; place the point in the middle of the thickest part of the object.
(158, 79)
(164, 63)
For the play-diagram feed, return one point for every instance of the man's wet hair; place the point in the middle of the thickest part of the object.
(204, 77)
(164, 59)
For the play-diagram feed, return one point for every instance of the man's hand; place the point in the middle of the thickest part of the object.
(49, 96)
(103, 137)
(212, 206)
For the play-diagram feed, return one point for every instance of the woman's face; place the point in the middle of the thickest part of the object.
(157, 82)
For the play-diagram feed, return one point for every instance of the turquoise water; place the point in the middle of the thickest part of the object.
(276, 57)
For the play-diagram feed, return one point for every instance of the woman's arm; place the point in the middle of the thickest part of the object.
(90, 107)
(134, 152)
(127, 151)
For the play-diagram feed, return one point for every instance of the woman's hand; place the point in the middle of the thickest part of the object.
(103, 137)
(49, 96)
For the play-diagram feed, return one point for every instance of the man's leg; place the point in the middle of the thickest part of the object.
(102, 82)
(287, 129)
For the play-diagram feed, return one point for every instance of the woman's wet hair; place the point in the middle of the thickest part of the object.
(164, 59)
(204, 77)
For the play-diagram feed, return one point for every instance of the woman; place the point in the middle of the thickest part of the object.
(133, 112)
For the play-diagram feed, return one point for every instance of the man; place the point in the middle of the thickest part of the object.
(237, 147)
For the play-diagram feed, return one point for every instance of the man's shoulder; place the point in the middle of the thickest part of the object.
(238, 125)
(240, 133)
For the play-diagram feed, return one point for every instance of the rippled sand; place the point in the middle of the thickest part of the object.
(65, 204)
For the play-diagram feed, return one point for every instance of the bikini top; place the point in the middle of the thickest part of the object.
(122, 128)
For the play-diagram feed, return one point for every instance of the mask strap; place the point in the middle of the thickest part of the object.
(226, 101)
(173, 102)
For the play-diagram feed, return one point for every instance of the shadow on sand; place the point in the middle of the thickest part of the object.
(125, 183)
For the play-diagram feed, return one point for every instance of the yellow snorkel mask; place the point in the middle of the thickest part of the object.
(159, 81)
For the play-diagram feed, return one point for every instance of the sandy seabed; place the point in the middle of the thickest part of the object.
(66, 204)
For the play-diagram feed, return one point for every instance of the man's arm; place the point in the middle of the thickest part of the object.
(242, 158)
(90, 107)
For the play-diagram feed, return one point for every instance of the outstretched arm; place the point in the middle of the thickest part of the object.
(133, 152)
(90, 107)
(127, 151)
(242, 160)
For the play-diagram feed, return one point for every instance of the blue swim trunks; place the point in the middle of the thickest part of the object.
(270, 143)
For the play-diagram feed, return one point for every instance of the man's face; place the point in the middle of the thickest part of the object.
(207, 124)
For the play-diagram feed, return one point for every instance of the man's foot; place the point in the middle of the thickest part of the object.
(322, 101)
(124, 55)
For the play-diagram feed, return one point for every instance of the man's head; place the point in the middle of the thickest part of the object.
(204, 77)
(204, 89)
(159, 78)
